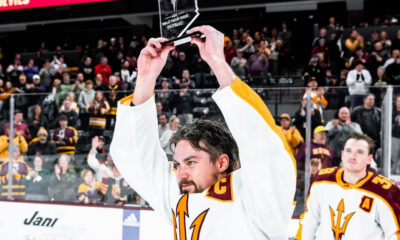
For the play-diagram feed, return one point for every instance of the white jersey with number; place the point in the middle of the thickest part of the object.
(254, 202)
(368, 210)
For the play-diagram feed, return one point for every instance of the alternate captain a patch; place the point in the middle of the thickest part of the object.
(222, 190)
(366, 203)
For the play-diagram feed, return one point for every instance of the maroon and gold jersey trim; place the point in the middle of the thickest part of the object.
(222, 190)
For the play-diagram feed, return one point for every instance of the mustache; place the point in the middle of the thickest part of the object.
(186, 182)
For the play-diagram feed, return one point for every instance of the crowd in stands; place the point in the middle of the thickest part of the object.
(64, 115)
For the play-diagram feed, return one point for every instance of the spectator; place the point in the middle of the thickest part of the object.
(19, 171)
(22, 100)
(113, 95)
(86, 68)
(315, 167)
(358, 80)
(396, 136)
(5, 99)
(314, 70)
(339, 129)
(258, 64)
(180, 64)
(14, 70)
(182, 101)
(162, 124)
(292, 135)
(30, 70)
(37, 121)
(164, 95)
(63, 182)
(128, 75)
(392, 59)
(369, 118)
(37, 182)
(239, 64)
(97, 159)
(103, 69)
(65, 137)
(117, 189)
(18, 140)
(393, 72)
(91, 191)
(21, 129)
(379, 82)
(358, 56)
(66, 110)
(74, 104)
(355, 40)
(85, 98)
(247, 45)
(64, 89)
(98, 109)
(229, 50)
(58, 66)
(396, 41)
(41, 146)
(166, 137)
(79, 84)
(36, 91)
(99, 85)
(319, 149)
(377, 58)
(45, 76)
(321, 51)
(385, 41)
(300, 118)
(322, 35)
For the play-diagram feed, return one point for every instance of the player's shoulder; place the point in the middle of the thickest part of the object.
(383, 187)
(326, 175)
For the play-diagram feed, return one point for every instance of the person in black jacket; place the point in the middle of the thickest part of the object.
(300, 118)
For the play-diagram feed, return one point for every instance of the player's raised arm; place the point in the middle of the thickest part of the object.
(267, 169)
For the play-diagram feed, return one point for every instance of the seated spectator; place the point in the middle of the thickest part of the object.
(292, 135)
(99, 85)
(229, 50)
(66, 110)
(63, 181)
(369, 118)
(182, 101)
(91, 191)
(128, 76)
(14, 70)
(31, 70)
(339, 129)
(300, 118)
(98, 109)
(317, 96)
(319, 149)
(18, 140)
(20, 127)
(322, 35)
(97, 159)
(180, 64)
(358, 80)
(74, 104)
(5, 94)
(355, 40)
(37, 120)
(58, 66)
(321, 51)
(64, 89)
(65, 137)
(86, 68)
(165, 94)
(162, 124)
(85, 98)
(166, 137)
(103, 69)
(36, 91)
(113, 95)
(393, 72)
(239, 64)
(258, 64)
(79, 84)
(19, 171)
(41, 146)
(358, 56)
(117, 189)
(377, 58)
(392, 59)
(396, 41)
(37, 181)
(314, 71)
(379, 81)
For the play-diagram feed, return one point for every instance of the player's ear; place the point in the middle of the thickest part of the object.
(222, 163)
(370, 158)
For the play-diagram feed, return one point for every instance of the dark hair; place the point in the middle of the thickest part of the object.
(360, 136)
(367, 95)
(217, 140)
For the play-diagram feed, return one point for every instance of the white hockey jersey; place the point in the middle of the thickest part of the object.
(368, 210)
(254, 202)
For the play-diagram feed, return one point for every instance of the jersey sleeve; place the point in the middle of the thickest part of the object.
(310, 219)
(137, 153)
(388, 214)
(268, 170)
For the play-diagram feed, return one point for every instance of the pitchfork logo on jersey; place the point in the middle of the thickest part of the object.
(338, 227)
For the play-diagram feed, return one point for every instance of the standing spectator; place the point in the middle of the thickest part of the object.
(355, 40)
(314, 71)
(22, 100)
(164, 95)
(166, 137)
(380, 81)
(358, 56)
(5, 94)
(85, 98)
(128, 75)
(67, 111)
(117, 189)
(239, 64)
(292, 135)
(18, 141)
(229, 50)
(392, 59)
(162, 124)
(37, 182)
(319, 149)
(321, 51)
(31, 69)
(369, 118)
(322, 35)
(339, 129)
(98, 109)
(86, 68)
(103, 69)
(37, 121)
(285, 55)
(378, 57)
(396, 136)
(300, 118)
(58, 66)
(79, 84)
(65, 137)
(180, 64)
(358, 80)
(36, 91)
(19, 171)
(41, 146)
(63, 182)
(19, 126)
(97, 159)
(14, 70)
(396, 41)
(45, 76)
(182, 101)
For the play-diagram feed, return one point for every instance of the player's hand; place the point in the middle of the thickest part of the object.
(151, 61)
(211, 50)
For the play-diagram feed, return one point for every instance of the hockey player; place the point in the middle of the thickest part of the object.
(352, 202)
(206, 196)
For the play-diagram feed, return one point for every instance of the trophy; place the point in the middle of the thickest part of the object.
(176, 16)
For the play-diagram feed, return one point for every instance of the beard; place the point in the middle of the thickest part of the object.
(196, 189)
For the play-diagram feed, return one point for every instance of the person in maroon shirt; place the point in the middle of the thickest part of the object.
(104, 69)
(19, 125)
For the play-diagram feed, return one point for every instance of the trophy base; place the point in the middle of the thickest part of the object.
(182, 39)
